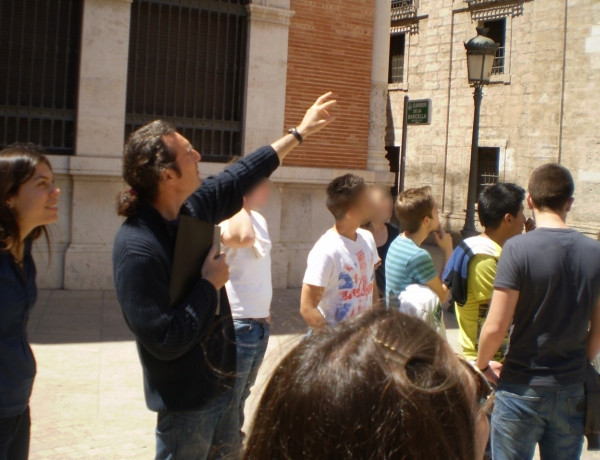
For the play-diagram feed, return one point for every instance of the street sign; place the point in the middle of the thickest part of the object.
(419, 112)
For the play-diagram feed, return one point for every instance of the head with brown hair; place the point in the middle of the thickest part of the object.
(383, 386)
(415, 207)
(551, 188)
(145, 156)
(28, 196)
(348, 194)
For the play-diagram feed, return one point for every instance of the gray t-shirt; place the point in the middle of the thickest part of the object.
(557, 274)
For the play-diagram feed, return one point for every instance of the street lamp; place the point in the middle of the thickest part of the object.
(481, 52)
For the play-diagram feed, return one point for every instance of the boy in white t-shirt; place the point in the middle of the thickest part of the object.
(339, 282)
(247, 244)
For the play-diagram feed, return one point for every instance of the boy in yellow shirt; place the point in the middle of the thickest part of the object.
(471, 270)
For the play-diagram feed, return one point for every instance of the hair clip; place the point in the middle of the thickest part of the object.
(391, 348)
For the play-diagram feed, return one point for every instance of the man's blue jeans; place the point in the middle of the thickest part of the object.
(525, 416)
(191, 435)
(252, 338)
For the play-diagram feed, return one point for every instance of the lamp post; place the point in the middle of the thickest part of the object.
(481, 52)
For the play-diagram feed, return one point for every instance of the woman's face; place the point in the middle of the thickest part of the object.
(384, 205)
(36, 201)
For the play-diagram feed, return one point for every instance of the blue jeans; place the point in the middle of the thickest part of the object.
(191, 435)
(525, 416)
(252, 338)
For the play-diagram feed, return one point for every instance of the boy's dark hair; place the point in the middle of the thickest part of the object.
(412, 206)
(498, 200)
(551, 186)
(342, 194)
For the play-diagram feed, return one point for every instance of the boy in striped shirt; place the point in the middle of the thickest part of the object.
(407, 263)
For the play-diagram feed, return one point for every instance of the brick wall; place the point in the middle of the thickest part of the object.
(330, 46)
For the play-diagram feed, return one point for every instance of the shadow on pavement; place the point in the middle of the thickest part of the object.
(95, 316)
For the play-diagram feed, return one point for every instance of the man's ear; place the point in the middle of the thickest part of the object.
(570, 204)
(167, 174)
(508, 218)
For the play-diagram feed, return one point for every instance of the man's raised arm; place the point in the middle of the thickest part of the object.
(315, 119)
(221, 196)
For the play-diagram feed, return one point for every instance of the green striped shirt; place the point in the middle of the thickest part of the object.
(406, 264)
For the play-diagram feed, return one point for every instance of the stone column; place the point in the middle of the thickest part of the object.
(96, 167)
(264, 108)
(379, 87)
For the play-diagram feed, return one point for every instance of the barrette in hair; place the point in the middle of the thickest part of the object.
(391, 348)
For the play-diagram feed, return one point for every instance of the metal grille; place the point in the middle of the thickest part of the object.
(488, 167)
(497, 32)
(39, 51)
(397, 46)
(498, 66)
(402, 9)
(187, 66)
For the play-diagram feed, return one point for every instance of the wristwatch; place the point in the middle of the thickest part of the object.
(294, 132)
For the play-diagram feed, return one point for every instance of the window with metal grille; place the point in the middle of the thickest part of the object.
(488, 167)
(187, 66)
(39, 52)
(402, 9)
(396, 67)
(497, 32)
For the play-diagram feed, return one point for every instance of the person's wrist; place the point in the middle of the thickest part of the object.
(483, 367)
(303, 131)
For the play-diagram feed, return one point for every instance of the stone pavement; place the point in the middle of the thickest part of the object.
(88, 400)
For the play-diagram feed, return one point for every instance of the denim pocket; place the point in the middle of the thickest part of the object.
(576, 413)
(512, 407)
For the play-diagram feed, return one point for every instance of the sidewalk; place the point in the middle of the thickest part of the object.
(88, 400)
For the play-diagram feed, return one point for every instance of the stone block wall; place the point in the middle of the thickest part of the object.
(542, 109)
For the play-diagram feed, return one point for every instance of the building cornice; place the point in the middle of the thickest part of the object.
(269, 14)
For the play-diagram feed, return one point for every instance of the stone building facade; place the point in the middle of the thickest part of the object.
(542, 105)
(231, 74)
(235, 74)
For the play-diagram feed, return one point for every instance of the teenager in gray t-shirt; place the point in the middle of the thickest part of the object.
(548, 287)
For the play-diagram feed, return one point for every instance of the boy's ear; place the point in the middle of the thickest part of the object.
(570, 204)
(529, 201)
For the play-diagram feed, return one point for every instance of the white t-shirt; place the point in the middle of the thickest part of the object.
(250, 288)
(346, 269)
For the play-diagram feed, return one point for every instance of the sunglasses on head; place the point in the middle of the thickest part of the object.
(484, 391)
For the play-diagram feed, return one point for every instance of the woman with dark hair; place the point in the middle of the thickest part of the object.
(28, 202)
(384, 386)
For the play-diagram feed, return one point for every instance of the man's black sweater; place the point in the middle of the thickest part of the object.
(187, 352)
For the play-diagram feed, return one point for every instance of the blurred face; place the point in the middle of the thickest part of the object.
(258, 198)
(187, 159)
(36, 202)
(363, 210)
(383, 205)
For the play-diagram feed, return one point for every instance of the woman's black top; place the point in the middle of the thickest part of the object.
(18, 294)
(393, 233)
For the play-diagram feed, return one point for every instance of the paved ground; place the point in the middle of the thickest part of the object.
(88, 399)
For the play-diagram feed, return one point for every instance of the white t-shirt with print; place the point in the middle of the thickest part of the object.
(346, 269)
(250, 288)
